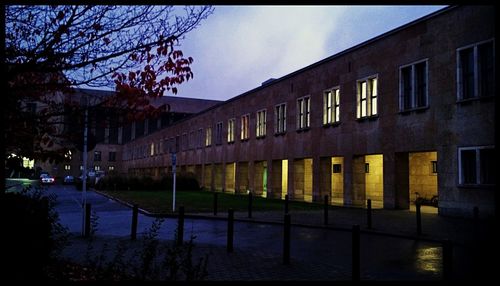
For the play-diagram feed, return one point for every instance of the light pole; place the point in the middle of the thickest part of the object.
(84, 176)
(174, 162)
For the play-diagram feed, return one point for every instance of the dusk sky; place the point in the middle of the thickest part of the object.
(239, 47)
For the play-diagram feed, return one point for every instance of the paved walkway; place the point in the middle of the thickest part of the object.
(318, 253)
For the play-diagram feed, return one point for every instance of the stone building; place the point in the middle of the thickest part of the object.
(410, 111)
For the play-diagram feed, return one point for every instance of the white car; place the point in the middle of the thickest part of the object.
(47, 179)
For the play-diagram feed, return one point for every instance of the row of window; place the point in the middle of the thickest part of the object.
(98, 156)
(475, 79)
(67, 167)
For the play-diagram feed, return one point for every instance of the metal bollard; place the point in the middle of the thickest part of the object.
(215, 203)
(180, 226)
(356, 253)
(286, 240)
(230, 230)
(369, 213)
(286, 204)
(88, 208)
(250, 198)
(135, 212)
(447, 259)
(419, 218)
(325, 214)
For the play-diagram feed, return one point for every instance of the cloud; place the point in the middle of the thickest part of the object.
(239, 47)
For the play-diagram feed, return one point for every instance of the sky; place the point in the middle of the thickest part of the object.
(238, 47)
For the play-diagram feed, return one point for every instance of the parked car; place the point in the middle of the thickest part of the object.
(47, 179)
(69, 180)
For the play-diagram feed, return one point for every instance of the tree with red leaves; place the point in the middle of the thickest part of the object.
(50, 50)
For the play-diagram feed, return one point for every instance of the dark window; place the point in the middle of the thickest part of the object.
(486, 69)
(434, 167)
(468, 162)
(487, 166)
(218, 133)
(97, 155)
(139, 128)
(406, 86)
(421, 84)
(467, 73)
(126, 133)
(112, 157)
(413, 81)
(152, 125)
(113, 130)
(337, 168)
(367, 167)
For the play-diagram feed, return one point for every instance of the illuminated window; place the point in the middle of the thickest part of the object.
(476, 71)
(152, 149)
(413, 86)
(27, 163)
(476, 165)
(97, 155)
(303, 112)
(97, 168)
(280, 118)
(261, 124)
(68, 155)
(331, 106)
(67, 167)
(208, 136)
(245, 120)
(230, 130)
(367, 97)
(111, 168)
(218, 133)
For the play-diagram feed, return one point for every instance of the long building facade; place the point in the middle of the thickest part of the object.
(410, 113)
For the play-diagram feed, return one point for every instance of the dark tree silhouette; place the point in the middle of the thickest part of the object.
(50, 50)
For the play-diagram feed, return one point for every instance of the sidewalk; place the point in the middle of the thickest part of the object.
(318, 252)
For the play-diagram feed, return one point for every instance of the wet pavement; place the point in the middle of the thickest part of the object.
(317, 253)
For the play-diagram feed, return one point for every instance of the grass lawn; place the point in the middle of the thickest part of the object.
(202, 201)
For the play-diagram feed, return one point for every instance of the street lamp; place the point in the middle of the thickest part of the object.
(84, 177)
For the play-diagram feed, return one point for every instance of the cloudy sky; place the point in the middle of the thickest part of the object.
(239, 47)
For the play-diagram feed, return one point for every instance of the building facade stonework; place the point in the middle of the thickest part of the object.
(407, 114)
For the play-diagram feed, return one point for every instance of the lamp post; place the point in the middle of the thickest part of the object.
(84, 177)
(174, 162)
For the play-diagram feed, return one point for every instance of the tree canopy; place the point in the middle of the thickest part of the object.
(50, 50)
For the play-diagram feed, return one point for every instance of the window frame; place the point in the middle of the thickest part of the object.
(280, 118)
(478, 166)
(331, 108)
(369, 97)
(245, 128)
(208, 136)
(413, 80)
(231, 124)
(303, 116)
(459, 90)
(260, 123)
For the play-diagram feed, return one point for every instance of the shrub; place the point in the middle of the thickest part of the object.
(33, 237)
